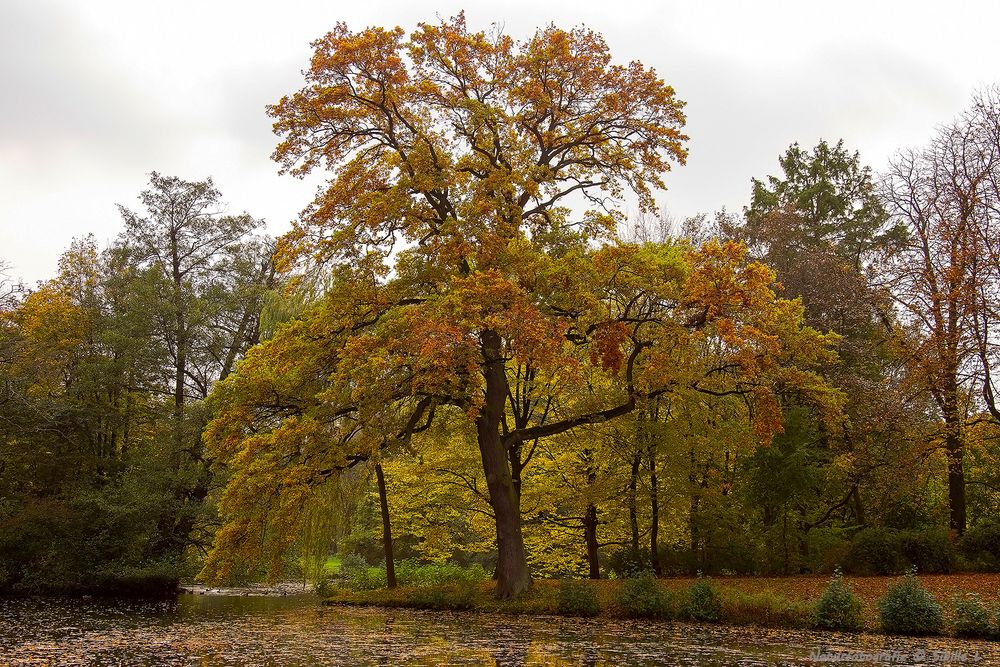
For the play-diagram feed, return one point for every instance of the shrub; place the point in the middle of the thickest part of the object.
(356, 574)
(971, 617)
(452, 597)
(411, 572)
(627, 563)
(327, 585)
(827, 550)
(875, 551)
(643, 597)
(678, 559)
(930, 551)
(702, 602)
(980, 545)
(159, 579)
(578, 598)
(352, 561)
(908, 608)
(839, 608)
(363, 579)
(890, 551)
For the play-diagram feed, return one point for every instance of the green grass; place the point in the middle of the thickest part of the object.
(332, 565)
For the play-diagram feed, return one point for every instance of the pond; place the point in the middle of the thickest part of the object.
(297, 630)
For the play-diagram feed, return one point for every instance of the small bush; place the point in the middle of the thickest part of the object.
(891, 551)
(971, 617)
(363, 579)
(839, 608)
(875, 551)
(930, 551)
(980, 545)
(451, 597)
(352, 561)
(414, 573)
(827, 550)
(702, 602)
(327, 585)
(356, 574)
(643, 597)
(908, 608)
(578, 598)
(152, 580)
(628, 563)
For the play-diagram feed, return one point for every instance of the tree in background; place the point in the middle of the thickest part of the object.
(832, 200)
(79, 475)
(822, 225)
(103, 487)
(201, 276)
(8, 289)
(944, 277)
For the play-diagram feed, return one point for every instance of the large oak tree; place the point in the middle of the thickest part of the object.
(469, 226)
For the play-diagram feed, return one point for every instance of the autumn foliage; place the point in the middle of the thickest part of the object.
(470, 227)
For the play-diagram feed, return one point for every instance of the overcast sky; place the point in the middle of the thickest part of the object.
(94, 95)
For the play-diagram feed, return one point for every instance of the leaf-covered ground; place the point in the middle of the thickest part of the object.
(943, 586)
(770, 601)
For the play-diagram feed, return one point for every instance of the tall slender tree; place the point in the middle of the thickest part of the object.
(201, 274)
(944, 278)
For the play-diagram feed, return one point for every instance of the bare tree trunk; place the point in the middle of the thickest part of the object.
(956, 483)
(590, 531)
(955, 449)
(633, 516)
(512, 572)
(859, 506)
(654, 506)
(695, 508)
(383, 501)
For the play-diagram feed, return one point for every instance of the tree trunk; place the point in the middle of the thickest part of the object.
(180, 339)
(784, 540)
(956, 483)
(383, 501)
(512, 572)
(694, 509)
(590, 531)
(180, 371)
(956, 452)
(859, 506)
(803, 538)
(633, 516)
(956, 490)
(654, 519)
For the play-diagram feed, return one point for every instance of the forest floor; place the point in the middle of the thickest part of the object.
(779, 602)
(870, 589)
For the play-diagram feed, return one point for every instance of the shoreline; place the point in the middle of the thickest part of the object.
(838, 637)
(281, 589)
(767, 603)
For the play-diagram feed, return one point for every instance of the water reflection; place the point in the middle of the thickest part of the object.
(295, 630)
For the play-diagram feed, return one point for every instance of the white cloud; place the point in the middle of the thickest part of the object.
(96, 94)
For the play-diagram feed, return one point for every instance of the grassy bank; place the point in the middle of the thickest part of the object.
(780, 602)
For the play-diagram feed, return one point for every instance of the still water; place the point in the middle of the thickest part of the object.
(296, 630)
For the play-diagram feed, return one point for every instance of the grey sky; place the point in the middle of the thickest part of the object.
(94, 95)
